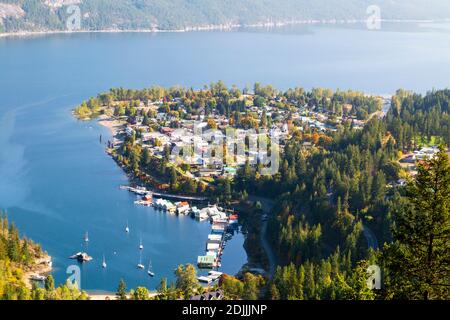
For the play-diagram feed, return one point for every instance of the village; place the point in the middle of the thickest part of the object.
(410, 161)
(193, 140)
(164, 126)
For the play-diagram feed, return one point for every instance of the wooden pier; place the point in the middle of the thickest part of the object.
(141, 191)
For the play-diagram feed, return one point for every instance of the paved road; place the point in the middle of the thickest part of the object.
(372, 241)
(267, 206)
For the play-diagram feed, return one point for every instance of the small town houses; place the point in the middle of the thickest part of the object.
(195, 133)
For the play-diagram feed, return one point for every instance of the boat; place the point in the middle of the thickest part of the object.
(149, 271)
(165, 205)
(146, 200)
(86, 237)
(141, 246)
(127, 229)
(140, 265)
(36, 277)
(204, 279)
(139, 190)
(182, 207)
(81, 257)
(104, 262)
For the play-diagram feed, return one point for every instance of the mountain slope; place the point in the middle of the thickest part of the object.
(42, 15)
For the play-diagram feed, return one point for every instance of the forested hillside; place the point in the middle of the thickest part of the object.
(340, 203)
(17, 257)
(42, 15)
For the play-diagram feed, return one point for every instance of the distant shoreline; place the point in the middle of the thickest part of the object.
(221, 27)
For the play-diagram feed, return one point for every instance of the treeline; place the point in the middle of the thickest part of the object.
(325, 191)
(13, 248)
(413, 262)
(155, 171)
(415, 119)
(180, 14)
(186, 286)
(233, 103)
(333, 278)
(326, 194)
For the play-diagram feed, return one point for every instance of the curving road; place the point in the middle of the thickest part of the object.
(267, 205)
(372, 241)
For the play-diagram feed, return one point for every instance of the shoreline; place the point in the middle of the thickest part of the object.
(113, 125)
(41, 267)
(219, 27)
(99, 295)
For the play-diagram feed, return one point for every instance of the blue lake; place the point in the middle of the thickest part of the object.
(56, 182)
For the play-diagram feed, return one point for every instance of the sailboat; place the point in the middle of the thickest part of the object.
(149, 271)
(127, 229)
(141, 246)
(86, 237)
(140, 265)
(104, 262)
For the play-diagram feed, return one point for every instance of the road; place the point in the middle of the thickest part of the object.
(267, 206)
(372, 241)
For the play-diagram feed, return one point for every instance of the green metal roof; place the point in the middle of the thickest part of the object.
(205, 259)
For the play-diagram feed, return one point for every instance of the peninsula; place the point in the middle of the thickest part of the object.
(344, 159)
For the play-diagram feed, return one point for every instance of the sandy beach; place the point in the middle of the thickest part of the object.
(113, 125)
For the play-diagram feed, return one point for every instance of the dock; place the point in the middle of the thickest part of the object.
(222, 222)
(211, 277)
(142, 191)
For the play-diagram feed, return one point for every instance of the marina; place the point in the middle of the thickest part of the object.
(223, 224)
(222, 228)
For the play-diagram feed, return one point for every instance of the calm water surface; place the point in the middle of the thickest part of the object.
(56, 181)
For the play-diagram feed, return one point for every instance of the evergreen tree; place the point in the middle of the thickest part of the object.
(418, 260)
(121, 293)
(186, 281)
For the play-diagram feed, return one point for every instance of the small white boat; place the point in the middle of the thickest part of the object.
(140, 265)
(141, 246)
(104, 262)
(149, 271)
(37, 277)
(86, 237)
(127, 229)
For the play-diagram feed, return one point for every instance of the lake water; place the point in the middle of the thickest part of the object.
(56, 182)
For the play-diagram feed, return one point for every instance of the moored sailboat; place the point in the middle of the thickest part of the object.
(140, 265)
(150, 271)
(141, 246)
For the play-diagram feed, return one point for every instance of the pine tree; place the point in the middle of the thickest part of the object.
(186, 280)
(121, 293)
(49, 283)
(162, 289)
(418, 260)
